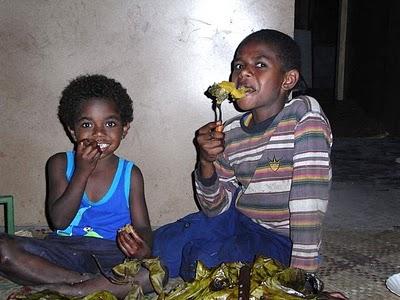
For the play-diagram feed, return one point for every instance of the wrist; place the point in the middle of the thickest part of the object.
(82, 174)
(206, 168)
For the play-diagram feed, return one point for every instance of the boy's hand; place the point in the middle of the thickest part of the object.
(210, 142)
(132, 245)
(87, 155)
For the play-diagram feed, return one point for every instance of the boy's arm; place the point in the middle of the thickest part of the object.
(63, 198)
(215, 180)
(310, 189)
(215, 194)
(138, 246)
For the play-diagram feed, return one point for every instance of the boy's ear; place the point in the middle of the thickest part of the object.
(291, 78)
(125, 129)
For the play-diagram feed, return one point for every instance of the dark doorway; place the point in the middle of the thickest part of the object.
(316, 31)
(358, 86)
(373, 59)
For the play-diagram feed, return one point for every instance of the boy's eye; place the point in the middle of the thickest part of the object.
(237, 66)
(86, 125)
(111, 124)
(260, 65)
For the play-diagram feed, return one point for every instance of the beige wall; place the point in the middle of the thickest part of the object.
(166, 53)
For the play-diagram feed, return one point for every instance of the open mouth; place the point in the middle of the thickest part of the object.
(103, 146)
(248, 89)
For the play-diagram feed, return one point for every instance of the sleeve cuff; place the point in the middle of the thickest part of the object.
(206, 181)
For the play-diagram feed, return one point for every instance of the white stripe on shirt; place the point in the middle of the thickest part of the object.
(282, 137)
(310, 154)
(305, 205)
(273, 186)
(280, 146)
(311, 163)
(305, 254)
(246, 159)
(306, 247)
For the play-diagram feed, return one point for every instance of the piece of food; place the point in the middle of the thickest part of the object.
(226, 90)
(129, 229)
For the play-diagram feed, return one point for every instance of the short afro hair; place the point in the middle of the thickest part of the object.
(285, 47)
(86, 87)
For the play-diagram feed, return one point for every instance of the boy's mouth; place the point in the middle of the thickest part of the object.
(103, 146)
(249, 89)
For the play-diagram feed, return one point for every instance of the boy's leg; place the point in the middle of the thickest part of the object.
(171, 239)
(252, 239)
(99, 283)
(242, 241)
(25, 268)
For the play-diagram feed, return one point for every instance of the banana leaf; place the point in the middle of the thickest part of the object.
(268, 280)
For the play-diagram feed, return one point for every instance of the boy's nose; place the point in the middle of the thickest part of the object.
(245, 72)
(98, 131)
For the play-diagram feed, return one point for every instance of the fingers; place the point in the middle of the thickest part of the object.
(209, 132)
(87, 144)
(210, 141)
(89, 149)
(209, 127)
(219, 128)
(130, 244)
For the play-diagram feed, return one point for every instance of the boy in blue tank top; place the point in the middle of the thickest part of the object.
(91, 194)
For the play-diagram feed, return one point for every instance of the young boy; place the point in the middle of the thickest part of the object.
(263, 183)
(91, 194)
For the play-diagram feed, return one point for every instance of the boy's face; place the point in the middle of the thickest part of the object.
(258, 67)
(99, 121)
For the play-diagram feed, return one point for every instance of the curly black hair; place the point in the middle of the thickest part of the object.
(86, 87)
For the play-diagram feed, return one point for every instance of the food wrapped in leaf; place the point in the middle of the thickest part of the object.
(268, 280)
(226, 90)
(215, 283)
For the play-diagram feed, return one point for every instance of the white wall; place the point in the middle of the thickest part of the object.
(166, 53)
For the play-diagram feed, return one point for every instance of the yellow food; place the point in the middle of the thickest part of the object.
(226, 90)
(129, 229)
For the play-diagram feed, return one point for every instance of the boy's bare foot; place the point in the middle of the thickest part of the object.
(98, 283)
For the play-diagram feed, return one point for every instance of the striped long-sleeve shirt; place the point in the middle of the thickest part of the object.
(284, 172)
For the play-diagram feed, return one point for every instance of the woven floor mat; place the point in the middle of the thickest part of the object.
(357, 263)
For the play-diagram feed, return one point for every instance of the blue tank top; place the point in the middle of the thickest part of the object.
(103, 218)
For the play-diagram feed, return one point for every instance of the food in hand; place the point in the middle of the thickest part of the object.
(226, 90)
(128, 228)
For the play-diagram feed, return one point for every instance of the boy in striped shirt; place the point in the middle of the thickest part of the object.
(272, 163)
(263, 182)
